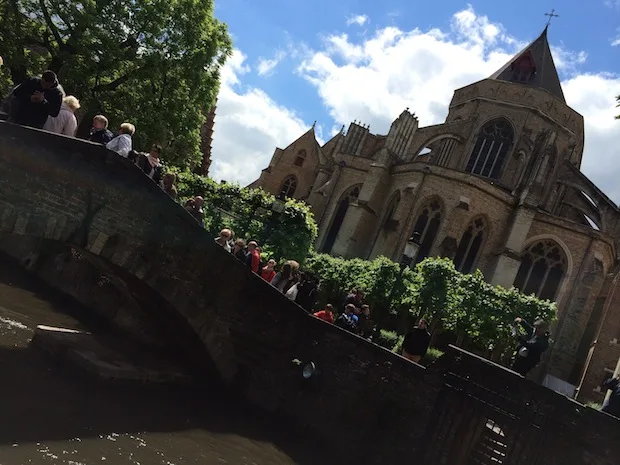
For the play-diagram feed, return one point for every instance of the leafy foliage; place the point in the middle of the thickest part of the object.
(248, 212)
(155, 63)
(388, 339)
(481, 315)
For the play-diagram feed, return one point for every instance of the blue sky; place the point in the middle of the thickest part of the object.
(297, 62)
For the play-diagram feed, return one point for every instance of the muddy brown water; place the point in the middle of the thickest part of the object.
(54, 414)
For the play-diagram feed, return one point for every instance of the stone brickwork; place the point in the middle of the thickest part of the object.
(375, 406)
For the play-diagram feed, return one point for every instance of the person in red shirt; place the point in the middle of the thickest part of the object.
(268, 271)
(253, 257)
(326, 314)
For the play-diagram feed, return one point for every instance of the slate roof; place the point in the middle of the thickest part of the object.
(546, 76)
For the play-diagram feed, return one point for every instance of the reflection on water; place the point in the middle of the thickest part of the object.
(53, 415)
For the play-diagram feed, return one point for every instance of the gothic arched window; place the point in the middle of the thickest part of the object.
(543, 265)
(301, 157)
(389, 223)
(427, 225)
(288, 187)
(470, 245)
(348, 198)
(492, 146)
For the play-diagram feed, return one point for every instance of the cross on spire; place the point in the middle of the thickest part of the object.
(551, 16)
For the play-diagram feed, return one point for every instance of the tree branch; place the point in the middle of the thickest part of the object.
(58, 10)
(51, 25)
(116, 83)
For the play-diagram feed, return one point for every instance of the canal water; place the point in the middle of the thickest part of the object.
(52, 414)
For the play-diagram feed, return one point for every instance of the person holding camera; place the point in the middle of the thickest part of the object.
(531, 346)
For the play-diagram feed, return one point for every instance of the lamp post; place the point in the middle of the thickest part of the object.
(278, 205)
(412, 247)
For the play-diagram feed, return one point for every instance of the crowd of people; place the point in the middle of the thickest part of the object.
(300, 286)
(41, 102)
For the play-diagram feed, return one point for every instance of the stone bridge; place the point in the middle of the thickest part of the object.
(64, 200)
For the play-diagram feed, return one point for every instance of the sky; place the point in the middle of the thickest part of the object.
(297, 62)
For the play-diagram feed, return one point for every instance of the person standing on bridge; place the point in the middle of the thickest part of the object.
(65, 123)
(327, 314)
(531, 347)
(167, 185)
(223, 240)
(253, 257)
(121, 144)
(239, 250)
(416, 342)
(35, 99)
(348, 320)
(151, 164)
(269, 270)
(100, 133)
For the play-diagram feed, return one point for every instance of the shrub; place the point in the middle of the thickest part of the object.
(465, 304)
(431, 356)
(388, 339)
(248, 212)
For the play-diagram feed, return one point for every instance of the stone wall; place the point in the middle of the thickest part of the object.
(374, 405)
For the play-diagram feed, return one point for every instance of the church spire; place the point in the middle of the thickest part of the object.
(533, 66)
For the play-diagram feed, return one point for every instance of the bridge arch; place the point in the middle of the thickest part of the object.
(74, 194)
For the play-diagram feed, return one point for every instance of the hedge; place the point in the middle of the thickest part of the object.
(465, 304)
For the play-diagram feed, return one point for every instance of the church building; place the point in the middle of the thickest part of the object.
(496, 187)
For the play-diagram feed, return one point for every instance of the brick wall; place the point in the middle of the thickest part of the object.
(370, 402)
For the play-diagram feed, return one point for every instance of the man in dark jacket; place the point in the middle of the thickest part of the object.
(416, 342)
(612, 406)
(307, 291)
(531, 347)
(35, 99)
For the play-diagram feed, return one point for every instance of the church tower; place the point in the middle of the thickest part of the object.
(533, 66)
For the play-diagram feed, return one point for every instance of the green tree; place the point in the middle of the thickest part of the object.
(249, 213)
(478, 314)
(433, 290)
(155, 63)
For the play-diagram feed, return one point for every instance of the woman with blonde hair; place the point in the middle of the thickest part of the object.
(121, 144)
(223, 240)
(65, 123)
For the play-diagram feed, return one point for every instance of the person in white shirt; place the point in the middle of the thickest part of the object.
(65, 123)
(121, 144)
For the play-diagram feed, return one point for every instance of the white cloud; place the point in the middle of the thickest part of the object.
(616, 40)
(249, 125)
(567, 60)
(266, 66)
(593, 95)
(375, 78)
(360, 20)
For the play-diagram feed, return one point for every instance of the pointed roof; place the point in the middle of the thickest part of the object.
(309, 137)
(533, 66)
